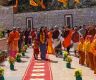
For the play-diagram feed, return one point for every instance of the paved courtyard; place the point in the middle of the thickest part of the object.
(58, 67)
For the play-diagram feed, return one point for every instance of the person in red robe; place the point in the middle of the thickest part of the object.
(13, 42)
(67, 43)
(36, 48)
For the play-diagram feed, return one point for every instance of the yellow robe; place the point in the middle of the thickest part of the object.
(93, 56)
(50, 49)
(81, 53)
(80, 47)
(86, 50)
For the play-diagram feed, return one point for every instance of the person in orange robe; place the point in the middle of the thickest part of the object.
(93, 62)
(67, 40)
(91, 54)
(87, 44)
(13, 42)
(50, 49)
(81, 51)
(17, 37)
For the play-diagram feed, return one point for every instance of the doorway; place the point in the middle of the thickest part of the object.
(29, 22)
(68, 20)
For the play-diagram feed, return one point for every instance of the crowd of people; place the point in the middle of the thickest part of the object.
(54, 40)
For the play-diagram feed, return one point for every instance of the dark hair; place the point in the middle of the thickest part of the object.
(41, 29)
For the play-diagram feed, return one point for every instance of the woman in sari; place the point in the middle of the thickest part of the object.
(42, 39)
(50, 49)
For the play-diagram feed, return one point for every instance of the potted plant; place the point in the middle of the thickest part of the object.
(65, 54)
(23, 51)
(78, 74)
(25, 46)
(18, 57)
(11, 61)
(1, 74)
(68, 60)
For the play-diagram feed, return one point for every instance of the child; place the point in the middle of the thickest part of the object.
(36, 49)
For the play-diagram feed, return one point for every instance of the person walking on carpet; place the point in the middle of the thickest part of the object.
(13, 42)
(43, 43)
(36, 49)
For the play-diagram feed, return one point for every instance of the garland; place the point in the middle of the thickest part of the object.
(42, 38)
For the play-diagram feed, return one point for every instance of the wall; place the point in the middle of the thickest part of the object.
(47, 18)
(52, 18)
(6, 17)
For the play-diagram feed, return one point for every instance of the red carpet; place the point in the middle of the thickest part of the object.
(38, 70)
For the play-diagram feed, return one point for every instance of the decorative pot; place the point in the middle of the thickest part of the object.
(11, 66)
(23, 53)
(78, 78)
(18, 59)
(64, 58)
(68, 65)
(2, 77)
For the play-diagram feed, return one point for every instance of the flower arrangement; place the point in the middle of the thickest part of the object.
(11, 61)
(68, 60)
(42, 37)
(1, 35)
(65, 54)
(18, 57)
(78, 74)
(1, 73)
(25, 46)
